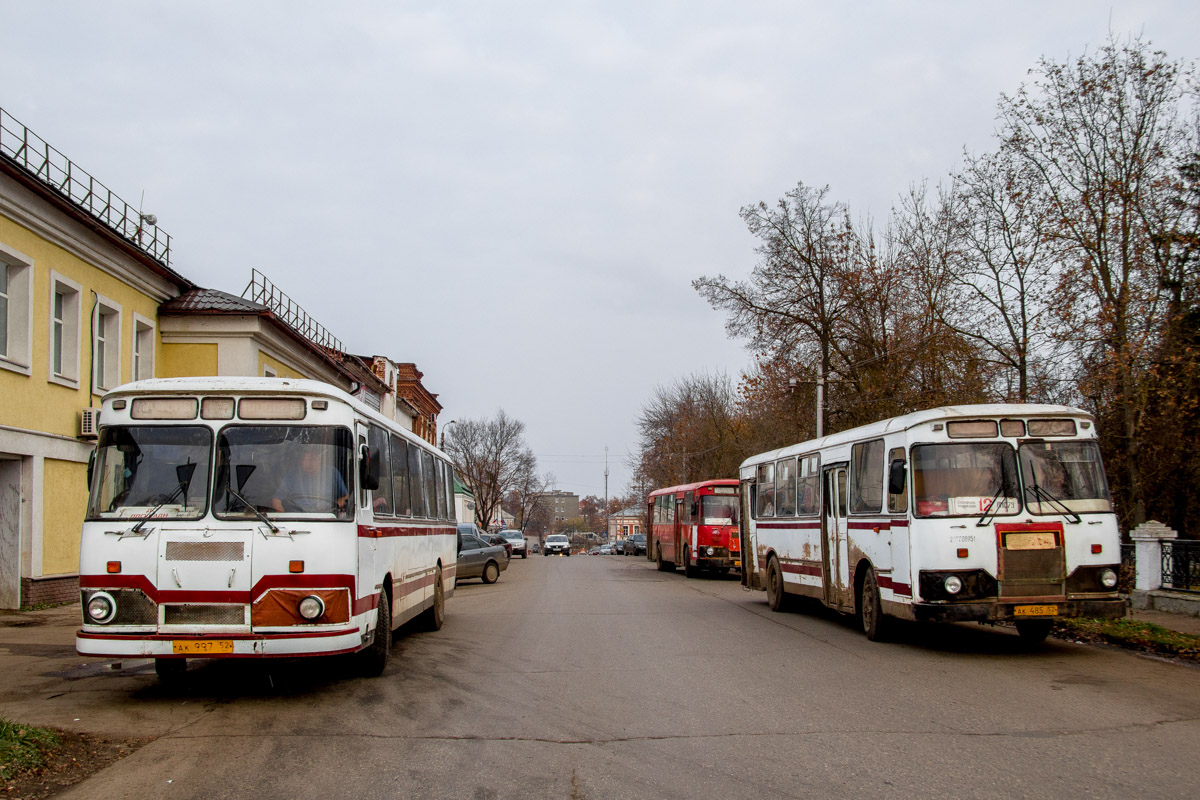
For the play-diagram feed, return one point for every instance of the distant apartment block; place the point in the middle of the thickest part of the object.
(561, 505)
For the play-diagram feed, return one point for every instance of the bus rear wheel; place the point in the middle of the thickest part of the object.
(1033, 631)
(663, 566)
(870, 609)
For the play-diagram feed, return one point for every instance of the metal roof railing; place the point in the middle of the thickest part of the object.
(32, 153)
(261, 290)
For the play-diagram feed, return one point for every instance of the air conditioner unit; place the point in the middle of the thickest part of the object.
(89, 423)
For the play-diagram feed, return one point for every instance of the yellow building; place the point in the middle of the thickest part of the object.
(82, 275)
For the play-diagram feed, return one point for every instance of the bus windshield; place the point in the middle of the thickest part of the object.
(284, 471)
(1060, 475)
(965, 479)
(141, 467)
(718, 510)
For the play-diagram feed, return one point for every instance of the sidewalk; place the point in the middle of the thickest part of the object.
(1180, 623)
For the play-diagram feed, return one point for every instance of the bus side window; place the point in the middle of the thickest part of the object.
(400, 476)
(689, 508)
(897, 500)
(377, 442)
(765, 507)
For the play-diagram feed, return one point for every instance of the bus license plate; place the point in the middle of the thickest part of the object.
(202, 647)
(1035, 611)
(737, 563)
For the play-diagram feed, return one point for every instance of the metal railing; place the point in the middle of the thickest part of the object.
(261, 290)
(30, 152)
(1181, 565)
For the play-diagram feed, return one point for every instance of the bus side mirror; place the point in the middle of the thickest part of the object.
(896, 478)
(91, 467)
(369, 468)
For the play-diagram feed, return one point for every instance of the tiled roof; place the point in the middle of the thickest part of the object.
(212, 301)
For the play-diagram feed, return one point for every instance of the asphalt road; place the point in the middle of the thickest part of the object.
(598, 677)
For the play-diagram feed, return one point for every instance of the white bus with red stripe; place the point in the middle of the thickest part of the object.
(966, 513)
(259, 517)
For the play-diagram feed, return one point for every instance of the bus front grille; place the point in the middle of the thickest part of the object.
(1032, 573)
(199, 614)
(204, 551)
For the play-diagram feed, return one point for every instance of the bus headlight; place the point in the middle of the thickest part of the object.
(101, 608)
(953, 584)
(1108, 578)
(710, 551)
(311, 607)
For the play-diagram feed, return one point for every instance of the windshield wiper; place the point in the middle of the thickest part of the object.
(990, 511)
(253, 510)
(1045, 496)
(184, 473)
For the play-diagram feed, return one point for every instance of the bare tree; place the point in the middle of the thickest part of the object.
(1105, 136)
(491, 456)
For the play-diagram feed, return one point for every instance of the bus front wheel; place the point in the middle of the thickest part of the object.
(1033, 631)
(374, 657)
(170, 670)
(777, 599)
(689, 571)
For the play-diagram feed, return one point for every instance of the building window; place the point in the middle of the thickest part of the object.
(16, 300)
(64, 330)
(106, 344)
(142, 366)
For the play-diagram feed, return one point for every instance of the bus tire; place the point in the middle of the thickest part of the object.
(170, 670)
(777, 599)
(1033, 631)
(870, 609)
(663, 566)
(689, 571)
(491, 572)
(431, 619)
(374, 657)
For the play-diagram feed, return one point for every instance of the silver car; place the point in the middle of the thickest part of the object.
(517, 540)
(477, 558)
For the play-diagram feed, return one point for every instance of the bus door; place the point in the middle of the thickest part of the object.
(749, 549)
(681, 532)
(833, 538)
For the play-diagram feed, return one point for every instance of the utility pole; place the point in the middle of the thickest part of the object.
(606, 491)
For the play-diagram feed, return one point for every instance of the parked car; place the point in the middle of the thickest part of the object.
(496, 538)
(606, 549)
(618, 547)
(517, 540)
(635, 545)
(477, 557)
(557, 544)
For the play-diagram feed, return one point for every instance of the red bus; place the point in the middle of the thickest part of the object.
(694, 526)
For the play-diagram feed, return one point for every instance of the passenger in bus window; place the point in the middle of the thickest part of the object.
(310, 489)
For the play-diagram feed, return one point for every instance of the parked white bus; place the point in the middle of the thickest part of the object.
(259, 517)
(983, 512)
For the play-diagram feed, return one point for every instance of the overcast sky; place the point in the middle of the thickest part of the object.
(516, 196)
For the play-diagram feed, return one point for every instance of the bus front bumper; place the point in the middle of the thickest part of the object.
(1012, 610)
(289, 645)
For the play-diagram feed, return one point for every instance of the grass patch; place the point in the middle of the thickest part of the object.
(1133, 634)
(23, 747)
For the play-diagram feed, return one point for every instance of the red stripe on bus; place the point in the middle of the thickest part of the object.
(297, 581)
(899, 588)
(802, 569)
(382, 531)
(792, 526)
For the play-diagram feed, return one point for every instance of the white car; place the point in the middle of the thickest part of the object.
(557, 544)
(518, 542)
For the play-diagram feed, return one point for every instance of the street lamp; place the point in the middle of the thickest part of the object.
(442, 445)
